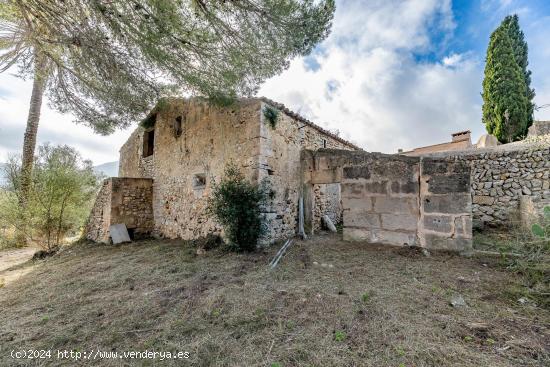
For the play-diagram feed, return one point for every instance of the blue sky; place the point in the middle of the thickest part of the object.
(392, 74)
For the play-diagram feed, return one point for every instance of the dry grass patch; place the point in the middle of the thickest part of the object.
(329, 303)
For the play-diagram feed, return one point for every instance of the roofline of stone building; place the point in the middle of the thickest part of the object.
(277, 105)
(300, 118)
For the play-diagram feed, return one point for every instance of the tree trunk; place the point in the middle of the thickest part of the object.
(29, 142)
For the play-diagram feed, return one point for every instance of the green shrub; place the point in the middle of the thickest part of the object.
(235, 203)
(271, 115)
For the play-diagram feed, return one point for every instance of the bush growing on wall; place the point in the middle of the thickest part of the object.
(235, 203)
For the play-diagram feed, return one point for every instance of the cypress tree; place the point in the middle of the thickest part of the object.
(505, 104)
(517, 39)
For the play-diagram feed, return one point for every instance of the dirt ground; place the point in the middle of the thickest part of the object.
(329, 303)
(11, 261)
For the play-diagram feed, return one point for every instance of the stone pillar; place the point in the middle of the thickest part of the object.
(445, 205)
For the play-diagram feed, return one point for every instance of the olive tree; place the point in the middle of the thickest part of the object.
(62, 190)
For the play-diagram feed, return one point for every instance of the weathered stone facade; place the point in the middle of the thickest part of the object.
(122, 200)
(394, 199)
(193, 142)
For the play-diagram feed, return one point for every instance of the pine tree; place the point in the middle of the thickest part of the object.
(505, 105)
(517, 39)
(109, 62)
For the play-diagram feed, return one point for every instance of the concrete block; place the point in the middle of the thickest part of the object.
(451, 204)
(463, 226)
(395, 205)
(438, 223)
(400, 222)
(119, 233)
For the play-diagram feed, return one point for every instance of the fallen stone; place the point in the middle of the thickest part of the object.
(328, 223)
(119, 233)
(477, 326)
(458, 301)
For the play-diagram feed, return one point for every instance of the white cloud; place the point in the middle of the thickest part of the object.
(385, 100)
(452, 60)
(54, 127)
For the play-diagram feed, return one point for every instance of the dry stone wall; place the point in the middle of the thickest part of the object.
(97, 226)
(122, 200)
(501, 176)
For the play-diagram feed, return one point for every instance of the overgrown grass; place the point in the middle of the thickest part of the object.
(524, 253)
(375, 306)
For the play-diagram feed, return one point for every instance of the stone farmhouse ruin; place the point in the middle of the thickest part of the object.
(167, 170)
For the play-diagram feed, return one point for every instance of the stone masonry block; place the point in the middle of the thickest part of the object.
(443, 184)
(355, 172)
(438, 223)
(352, 190)
(396, 238)
(354, 204)
(395, 205)
(433, 167)
(380, 236)
(400, 222)
(452, 204)
(376, 187)
(356, 234)
(483, 200)
(326, 176)
(361, 219)
(409, 187)
(435, 242)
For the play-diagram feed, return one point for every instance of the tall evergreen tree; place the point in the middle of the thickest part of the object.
(519, 45)
(505, 104)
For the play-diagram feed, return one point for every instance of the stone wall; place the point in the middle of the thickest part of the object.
(185, 165)
(280, 168)
(501, 176)
(122, 200)
(394, 199)
(97, 226)
(380, 200)
(132, 204)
